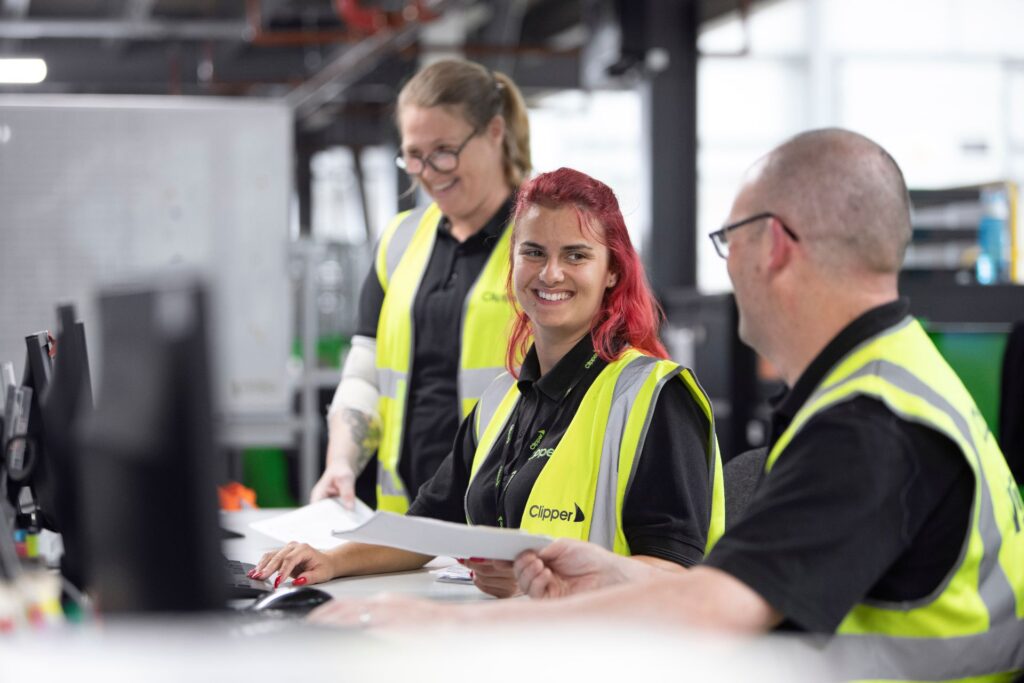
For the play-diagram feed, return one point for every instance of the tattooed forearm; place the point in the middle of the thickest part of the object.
(365, 433)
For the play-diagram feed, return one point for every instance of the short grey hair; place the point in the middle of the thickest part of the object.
(845, 194)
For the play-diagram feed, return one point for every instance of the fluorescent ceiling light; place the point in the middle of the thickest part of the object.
(22, 70)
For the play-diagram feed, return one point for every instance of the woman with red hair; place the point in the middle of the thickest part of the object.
(588, 435)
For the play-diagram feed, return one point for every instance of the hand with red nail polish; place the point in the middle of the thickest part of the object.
(293, 560)
(301, 581)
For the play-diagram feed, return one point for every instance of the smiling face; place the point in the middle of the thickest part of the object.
(465, 192)
(560, 273)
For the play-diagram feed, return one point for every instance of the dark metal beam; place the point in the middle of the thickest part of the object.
(143, 65)
(99, 29)
(671, 111)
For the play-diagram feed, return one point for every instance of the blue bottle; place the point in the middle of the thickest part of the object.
(993, 265)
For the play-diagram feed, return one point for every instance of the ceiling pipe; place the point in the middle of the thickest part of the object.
(360, 18)
(359, 21)
(354, 63)
(488, 49)
(260, 37)
(150, 30)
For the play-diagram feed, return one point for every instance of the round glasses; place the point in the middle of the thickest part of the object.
(442, 159)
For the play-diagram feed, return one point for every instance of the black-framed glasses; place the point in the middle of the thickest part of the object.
(720, 237)
(442, 160)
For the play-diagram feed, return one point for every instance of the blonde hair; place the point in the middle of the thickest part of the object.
(479, 95)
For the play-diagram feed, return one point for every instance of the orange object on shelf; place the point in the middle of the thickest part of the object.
(235, 496)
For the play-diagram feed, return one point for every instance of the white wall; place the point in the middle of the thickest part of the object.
(939, 83)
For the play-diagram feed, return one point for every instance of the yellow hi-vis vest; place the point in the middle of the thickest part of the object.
(401, 260)
(581, 489)
(972, 627)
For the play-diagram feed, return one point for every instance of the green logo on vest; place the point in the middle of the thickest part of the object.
(536, 442)
(545, 513)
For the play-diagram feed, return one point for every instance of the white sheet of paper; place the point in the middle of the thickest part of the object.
(455, 573)
(314, 523)
(433, 537)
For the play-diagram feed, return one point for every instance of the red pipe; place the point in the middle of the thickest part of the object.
(358, 17)
(359, 22)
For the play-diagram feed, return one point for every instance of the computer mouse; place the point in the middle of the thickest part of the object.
(299, 599)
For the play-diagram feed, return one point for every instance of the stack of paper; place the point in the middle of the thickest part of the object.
(433, 537)
(315, 523)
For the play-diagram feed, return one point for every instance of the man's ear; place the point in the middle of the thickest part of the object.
(782, 245)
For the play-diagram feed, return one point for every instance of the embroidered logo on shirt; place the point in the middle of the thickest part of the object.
(543, 453)
(544, 514)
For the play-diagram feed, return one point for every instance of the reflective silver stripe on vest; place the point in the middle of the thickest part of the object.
(874, 657)
(473, 383)
(486, 408)
(401, 239)
(604, 518)
(389, 483)
(995, 589)
(388, 380)
(490, 399)
(713, 432)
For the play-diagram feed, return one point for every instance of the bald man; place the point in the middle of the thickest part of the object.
(886, 514)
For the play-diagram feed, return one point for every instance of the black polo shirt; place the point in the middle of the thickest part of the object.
(432, 409)
(860, 504)
(667, 509)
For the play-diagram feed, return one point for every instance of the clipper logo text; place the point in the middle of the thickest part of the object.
(545, 513)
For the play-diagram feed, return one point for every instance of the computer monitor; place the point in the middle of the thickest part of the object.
(45, 462)
(23, 451)
(149, 491)
(56, 481)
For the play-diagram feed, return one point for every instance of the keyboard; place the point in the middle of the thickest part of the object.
(240, 586)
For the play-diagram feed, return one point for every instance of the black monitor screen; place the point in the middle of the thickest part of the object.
(23, 452)
(44, 461)
(56, 480)
(150, 502)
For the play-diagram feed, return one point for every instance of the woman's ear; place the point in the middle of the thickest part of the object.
(496, 128)
(613, 279)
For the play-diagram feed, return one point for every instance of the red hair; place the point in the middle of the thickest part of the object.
(629, 314)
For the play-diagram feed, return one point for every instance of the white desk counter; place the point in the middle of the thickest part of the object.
(242, 647)
(420, 583)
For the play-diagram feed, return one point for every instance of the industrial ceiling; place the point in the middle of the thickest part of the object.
(327, 57)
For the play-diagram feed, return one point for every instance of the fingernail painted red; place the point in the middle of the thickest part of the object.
(477, 559)
(472, 575)
(301, 581)
(277, 581)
